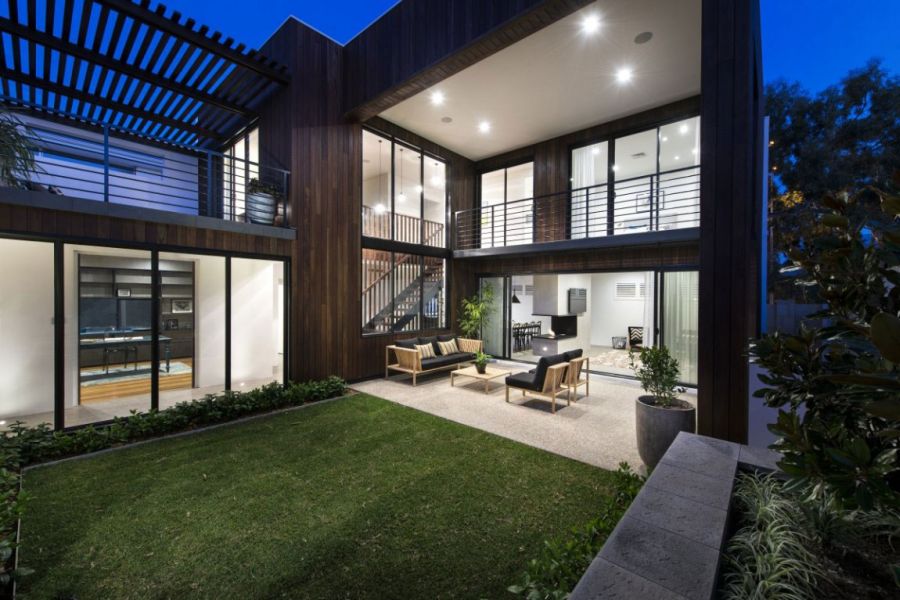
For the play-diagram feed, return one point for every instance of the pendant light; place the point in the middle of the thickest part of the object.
(401, 197)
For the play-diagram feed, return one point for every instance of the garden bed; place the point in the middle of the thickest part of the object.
(355, 498)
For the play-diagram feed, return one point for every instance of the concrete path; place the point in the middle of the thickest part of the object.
(598, 429)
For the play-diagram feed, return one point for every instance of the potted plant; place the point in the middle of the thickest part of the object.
(475, 312)
(17, 161)
(262, 202)
(660, 415)
(481, 361)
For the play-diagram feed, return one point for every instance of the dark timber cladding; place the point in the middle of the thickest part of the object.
(730, 213)
(420, 42)
(140, 69)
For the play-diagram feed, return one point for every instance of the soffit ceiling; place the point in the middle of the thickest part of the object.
(561, 80)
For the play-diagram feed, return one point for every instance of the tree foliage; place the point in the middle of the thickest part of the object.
(846, 137)
(837, 387)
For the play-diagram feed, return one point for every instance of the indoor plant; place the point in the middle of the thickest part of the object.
(17, 157)
(475, 312)
(481, 361)
(660, 415)
(262, 202)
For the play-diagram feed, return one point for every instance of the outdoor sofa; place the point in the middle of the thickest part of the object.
(410, 359)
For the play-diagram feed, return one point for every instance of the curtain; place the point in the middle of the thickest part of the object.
(649, 317)
(588, 207)
(681, 300)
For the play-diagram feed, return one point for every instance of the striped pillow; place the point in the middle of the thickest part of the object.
(448, 347)
(425, 351)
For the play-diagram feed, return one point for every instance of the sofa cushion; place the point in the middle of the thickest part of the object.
(546, 361)
(572, 354)
(446, 338)
(432, 339)
(440, 361)
(426, 351)
(523, 381)
(410, 343)
(447, 348)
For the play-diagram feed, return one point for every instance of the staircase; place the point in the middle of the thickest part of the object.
(384, 314)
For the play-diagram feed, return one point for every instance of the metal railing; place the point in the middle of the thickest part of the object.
(96, 166)
(407, 228)
(658, 202)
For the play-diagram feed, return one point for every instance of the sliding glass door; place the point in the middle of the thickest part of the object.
(495, 328)
(679, 311)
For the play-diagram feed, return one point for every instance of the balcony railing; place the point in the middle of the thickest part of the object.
(98, 167)
(658, 202)
(406, 228)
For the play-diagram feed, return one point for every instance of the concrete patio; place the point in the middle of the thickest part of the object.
(598, 429)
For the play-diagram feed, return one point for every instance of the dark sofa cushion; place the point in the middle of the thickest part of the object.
(410, 343)
(523, 381)
(546, 362)
(445, 361)
(572, 354)
(445, 338)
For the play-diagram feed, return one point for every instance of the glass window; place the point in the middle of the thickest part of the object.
(408, 196)
(588, 209)
(507, 208)
(191, 327)
(402, 292)
(26, 332)
(434, 293)
(108, 343)
(257, 322)
(435, 205)
(679, 179)
(404, 193)
(680, 320)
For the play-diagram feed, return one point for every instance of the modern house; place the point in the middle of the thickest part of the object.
(202, 217)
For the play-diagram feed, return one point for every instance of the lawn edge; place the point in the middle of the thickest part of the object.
(185, 433)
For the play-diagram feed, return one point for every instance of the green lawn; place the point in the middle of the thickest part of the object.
(357, 498)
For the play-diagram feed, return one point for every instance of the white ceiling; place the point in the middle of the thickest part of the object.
(561, 79)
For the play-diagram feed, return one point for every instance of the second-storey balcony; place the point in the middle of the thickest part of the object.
(647, 209)
(90, 170)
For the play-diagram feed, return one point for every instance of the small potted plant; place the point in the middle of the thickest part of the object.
(262, 202)
(481, 361)
(660, 415)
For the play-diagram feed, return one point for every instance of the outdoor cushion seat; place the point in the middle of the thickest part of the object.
(445, 361)
(523, 380)
(410, 343)
(572, 354)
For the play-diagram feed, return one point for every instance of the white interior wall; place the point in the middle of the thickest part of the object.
(209, 321)
(26, 328)
(523, 311)
(612, 317)
(577, 280)
(254, 308)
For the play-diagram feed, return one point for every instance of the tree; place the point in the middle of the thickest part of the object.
(846, 137)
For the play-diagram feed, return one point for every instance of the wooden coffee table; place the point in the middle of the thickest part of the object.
(489, 374)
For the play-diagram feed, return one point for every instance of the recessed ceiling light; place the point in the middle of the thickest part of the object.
(590, 24)
(595, 151)
(683, 129)
(435, 180)
(624, 75)
(401, 197)
(615, 167)
(484, 126)
(677, 157)
(380, 208)
(694, 151)
(418, 189)
(665, 138)
(437, 97)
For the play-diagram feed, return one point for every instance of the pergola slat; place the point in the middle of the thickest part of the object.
(170, 80)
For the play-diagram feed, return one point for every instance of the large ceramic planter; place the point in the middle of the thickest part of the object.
(261, 208)
(658, 427)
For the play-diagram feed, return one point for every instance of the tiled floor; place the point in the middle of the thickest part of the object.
(598, 429)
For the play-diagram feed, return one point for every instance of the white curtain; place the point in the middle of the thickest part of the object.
(681, 302)
(649, 317)
(588, 208)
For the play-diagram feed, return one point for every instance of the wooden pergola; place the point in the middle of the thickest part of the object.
(141, 69)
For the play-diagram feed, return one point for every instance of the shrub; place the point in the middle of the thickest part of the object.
(658, 374)
(561, 563)
(837, 386)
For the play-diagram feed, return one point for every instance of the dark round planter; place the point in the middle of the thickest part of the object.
(658, 427)
(480, 368)
(261, 208)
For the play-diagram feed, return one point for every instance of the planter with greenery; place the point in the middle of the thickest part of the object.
(481, 361)
(262, 202)
(661, 415)
(475, 312)
(17, 157)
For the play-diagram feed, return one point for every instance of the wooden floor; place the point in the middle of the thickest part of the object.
(104, 392)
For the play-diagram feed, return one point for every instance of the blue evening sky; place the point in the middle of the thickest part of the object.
(814, 42)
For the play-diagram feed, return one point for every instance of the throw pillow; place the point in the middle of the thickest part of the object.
(425, 350)
(448, 347)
